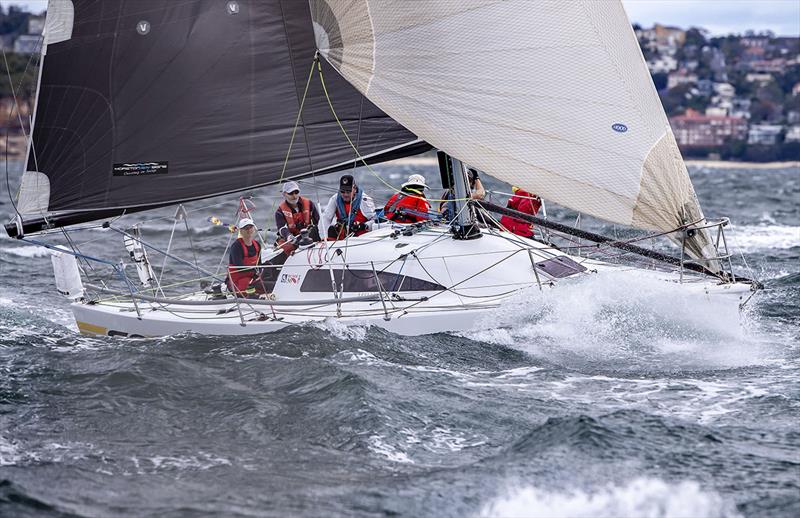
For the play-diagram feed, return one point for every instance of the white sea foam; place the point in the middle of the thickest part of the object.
(201, 461)
(344, 331)
(626, 318)
(641, 497)
(379, 446)
(750, 238)
(9, 452)
(27, 251)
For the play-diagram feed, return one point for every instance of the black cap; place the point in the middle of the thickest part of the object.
(346, 182)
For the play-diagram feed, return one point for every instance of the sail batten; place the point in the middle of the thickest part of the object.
(552, 96)
(150, 103)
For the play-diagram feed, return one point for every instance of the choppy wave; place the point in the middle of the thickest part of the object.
(610, 396)
(650, 497)
(27, 251)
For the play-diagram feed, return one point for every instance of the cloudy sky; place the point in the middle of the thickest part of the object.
(718, 16)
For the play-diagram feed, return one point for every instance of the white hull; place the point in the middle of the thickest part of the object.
(478, 275)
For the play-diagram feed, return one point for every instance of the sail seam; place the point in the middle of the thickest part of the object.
(374, 48)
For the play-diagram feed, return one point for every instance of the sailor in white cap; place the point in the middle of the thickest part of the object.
(295, 213)
(244, 258)
(409, 205)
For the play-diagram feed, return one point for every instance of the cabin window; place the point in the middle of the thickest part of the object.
(560, 266)
(364, 281)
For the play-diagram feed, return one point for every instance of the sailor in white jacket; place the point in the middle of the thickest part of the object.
(350, 211)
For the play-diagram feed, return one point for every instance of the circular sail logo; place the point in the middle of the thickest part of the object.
(619, 127)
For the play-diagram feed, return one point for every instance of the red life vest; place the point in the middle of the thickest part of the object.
(415, 204)
(359, 218)
(296, 221)
(242, 274)
(521, 202)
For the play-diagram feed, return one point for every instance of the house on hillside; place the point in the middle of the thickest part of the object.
(36, 25)
(680, 77)
(28, 44)
(764, 134)
(761, 79)
(697, 130)
(792, 134)
(662, 64)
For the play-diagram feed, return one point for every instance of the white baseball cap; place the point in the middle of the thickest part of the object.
(244, 222)
(290, 186)
(415, 179)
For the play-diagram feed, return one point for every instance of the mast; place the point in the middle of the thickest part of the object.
(454, 177)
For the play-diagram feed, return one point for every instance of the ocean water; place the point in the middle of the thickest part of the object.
(608, 397)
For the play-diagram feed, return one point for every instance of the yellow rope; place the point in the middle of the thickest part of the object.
(358, 155)
(296, 125)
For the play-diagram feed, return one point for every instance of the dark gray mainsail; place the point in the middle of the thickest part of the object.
(149, 103)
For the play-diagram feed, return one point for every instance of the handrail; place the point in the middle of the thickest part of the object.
(239, 300)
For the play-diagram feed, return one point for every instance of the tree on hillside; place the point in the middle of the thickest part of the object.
(789, 78)
(676, 100)
(22, 69)
(764, 111)
(660, 80)
(15, 21)
(738, 79)
(696, 37)
(730, 46)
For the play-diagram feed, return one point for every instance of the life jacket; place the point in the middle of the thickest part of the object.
(296, 221)
(416, 204)
(349, 216)
(521, 202)
(241, 275)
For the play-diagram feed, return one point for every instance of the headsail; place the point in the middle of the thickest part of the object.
(552, 96)
(150, 103)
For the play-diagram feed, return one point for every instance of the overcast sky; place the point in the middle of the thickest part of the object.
(718, 16)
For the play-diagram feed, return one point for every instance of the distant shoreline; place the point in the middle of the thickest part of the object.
(17, 148)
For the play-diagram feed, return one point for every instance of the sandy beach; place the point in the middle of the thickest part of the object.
(723, 164)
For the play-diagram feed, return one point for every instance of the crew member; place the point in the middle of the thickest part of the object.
(409, 205)
(350, 211)
(294, 214)
(477, 192)
(244, 258)
(525, 202)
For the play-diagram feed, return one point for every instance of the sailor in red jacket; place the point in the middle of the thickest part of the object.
(244, 258)
(409, 205)
(522, 201)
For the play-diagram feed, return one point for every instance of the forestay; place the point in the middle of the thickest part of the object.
(150, 102)
(549, 95)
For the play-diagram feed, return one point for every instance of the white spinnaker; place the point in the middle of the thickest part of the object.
(549, 95)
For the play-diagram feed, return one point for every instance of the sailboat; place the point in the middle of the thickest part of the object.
(149, 104)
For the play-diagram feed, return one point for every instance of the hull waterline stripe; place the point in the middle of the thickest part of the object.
(86, 328)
